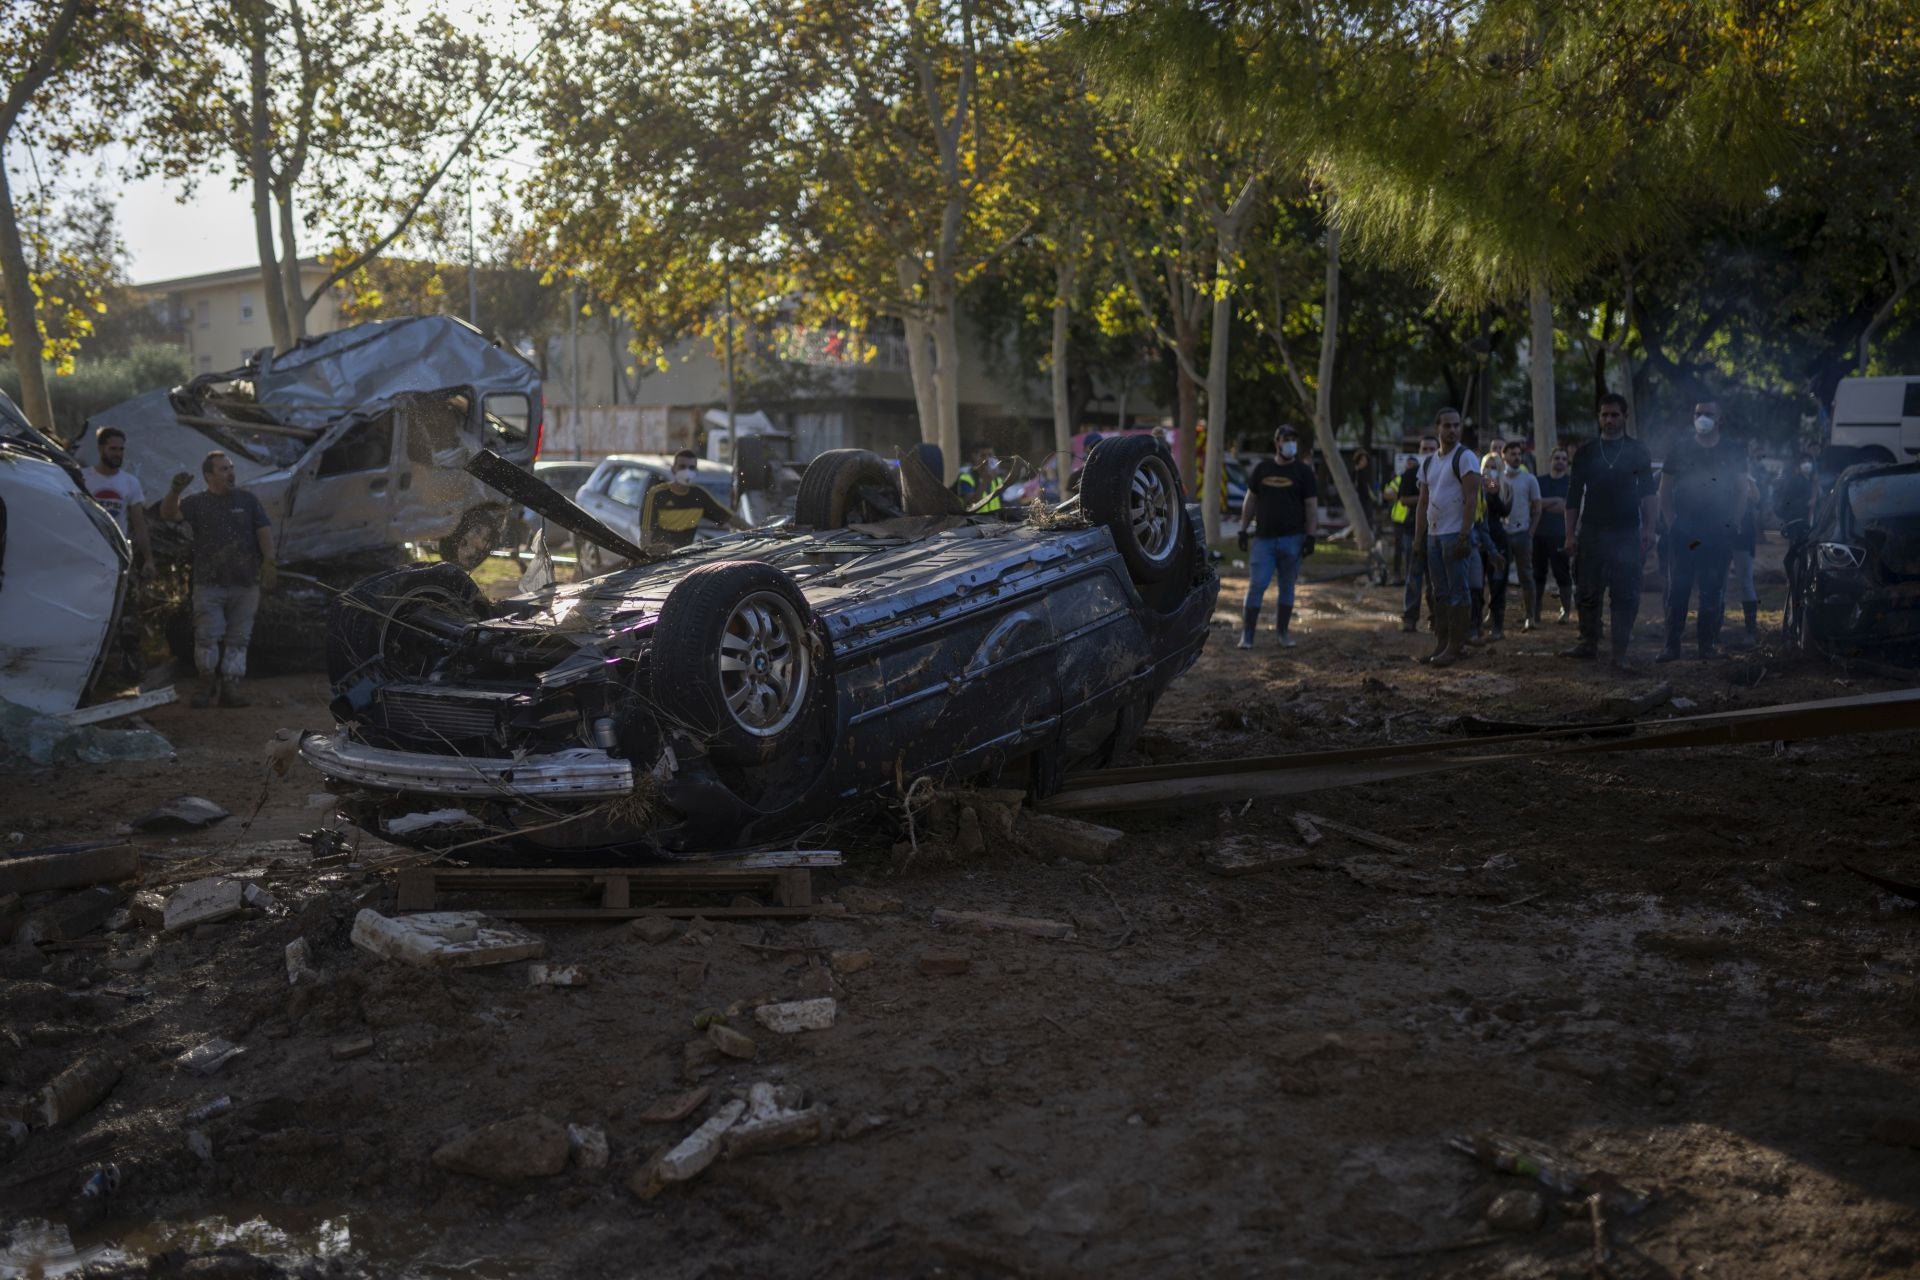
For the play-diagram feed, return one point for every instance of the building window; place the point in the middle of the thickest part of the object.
(205, 312)
(246, 308)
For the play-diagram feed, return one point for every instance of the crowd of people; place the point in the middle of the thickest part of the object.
(1478, 537)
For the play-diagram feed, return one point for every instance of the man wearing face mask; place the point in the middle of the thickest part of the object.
(1550, 536)
(1704, 494)
(671, 512)
(1611, 502)
(1278, 520)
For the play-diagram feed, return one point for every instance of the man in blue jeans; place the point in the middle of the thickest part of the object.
(1442, 525)
(1278, 520)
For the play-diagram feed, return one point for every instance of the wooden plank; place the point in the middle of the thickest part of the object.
(69, 868)
(104, 711)
(613, 894)
(796, 888)
(588, 914)
(1360, 835)
(416, 888)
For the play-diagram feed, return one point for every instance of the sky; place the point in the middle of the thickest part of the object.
(214, 230)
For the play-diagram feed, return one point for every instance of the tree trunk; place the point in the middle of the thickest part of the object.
(1186, 356)
(1186, 422)
(1323, 428)
(290, 266)
(919, 338)
(1540, 366)
(23, 316)
(1213, 466)
(260, 168)
(1062, 406)
(946, 376)
(920, 370)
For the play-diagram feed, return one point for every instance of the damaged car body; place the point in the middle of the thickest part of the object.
(752, 686)
(63, 572)
(1853, 570)
(353, 441)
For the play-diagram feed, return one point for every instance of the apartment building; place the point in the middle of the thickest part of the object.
(219, 317)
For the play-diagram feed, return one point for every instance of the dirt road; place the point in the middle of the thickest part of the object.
(1653, 963)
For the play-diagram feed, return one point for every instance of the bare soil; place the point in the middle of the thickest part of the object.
(1655, 963)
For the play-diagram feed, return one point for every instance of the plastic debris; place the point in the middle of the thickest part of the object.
(796, 1015)
(205, 1059)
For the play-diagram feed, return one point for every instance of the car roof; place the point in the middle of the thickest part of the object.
(664, 462)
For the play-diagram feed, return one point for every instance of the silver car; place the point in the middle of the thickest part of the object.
(617, 489)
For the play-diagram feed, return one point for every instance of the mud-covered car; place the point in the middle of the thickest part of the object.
(748, 687)
(1853, 570)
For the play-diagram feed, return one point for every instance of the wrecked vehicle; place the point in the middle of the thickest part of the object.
(354, 440)
(63, 573)
(1853, 570)
(749, 686)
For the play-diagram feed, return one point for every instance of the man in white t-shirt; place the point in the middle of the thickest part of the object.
(119, 492)
(1521, 488)
(1449, 501)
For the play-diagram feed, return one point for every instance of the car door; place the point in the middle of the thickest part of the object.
(342, 496)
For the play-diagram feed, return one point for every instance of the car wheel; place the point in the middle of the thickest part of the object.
(737, 661)
(469, 544)
(846, 486)
(366, 626)
(1131, 487)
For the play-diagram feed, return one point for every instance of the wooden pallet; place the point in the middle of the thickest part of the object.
(789, 872)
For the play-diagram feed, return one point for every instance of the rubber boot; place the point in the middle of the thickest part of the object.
(1285, 620)
(1250, 618)
(1476, 613)
(1458, 617)
(209, 695)
(1437, 616)
(230, 695)
(1752, 609)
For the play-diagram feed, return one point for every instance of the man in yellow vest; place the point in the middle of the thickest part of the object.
(981, 477)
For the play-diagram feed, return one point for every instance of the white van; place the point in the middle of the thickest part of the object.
(1874, 420)
(1879, 416)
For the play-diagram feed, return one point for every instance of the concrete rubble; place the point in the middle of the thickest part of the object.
(444, 939)
(793, 1016)
(205, 901)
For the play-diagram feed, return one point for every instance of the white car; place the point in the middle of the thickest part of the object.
(616, 490)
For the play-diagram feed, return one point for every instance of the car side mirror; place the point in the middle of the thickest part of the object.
(1795, 530)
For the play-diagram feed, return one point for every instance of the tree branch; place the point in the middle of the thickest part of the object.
(41, 69)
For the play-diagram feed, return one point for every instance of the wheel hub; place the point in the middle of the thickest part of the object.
(764, 664)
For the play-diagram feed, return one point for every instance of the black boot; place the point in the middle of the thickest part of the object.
(1285, 619)
(1250, 618)
(1752, 609)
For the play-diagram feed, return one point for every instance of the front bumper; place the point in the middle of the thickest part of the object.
(581, 773)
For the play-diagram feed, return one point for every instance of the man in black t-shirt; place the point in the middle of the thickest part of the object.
(1278, 521)
(1705, 494)
(1610, 511)
(232, 564)
(671, 512)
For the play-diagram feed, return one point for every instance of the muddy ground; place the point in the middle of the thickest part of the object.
(1653, 962)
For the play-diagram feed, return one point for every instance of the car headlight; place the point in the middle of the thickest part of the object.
(1838, 555)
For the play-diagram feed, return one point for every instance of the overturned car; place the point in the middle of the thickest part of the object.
(746, 688)
(1853, 570)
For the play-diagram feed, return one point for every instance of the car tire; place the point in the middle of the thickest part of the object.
(738, 660)
(830, 496)
(472, 540)
(361, 634)
(1131, 486)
